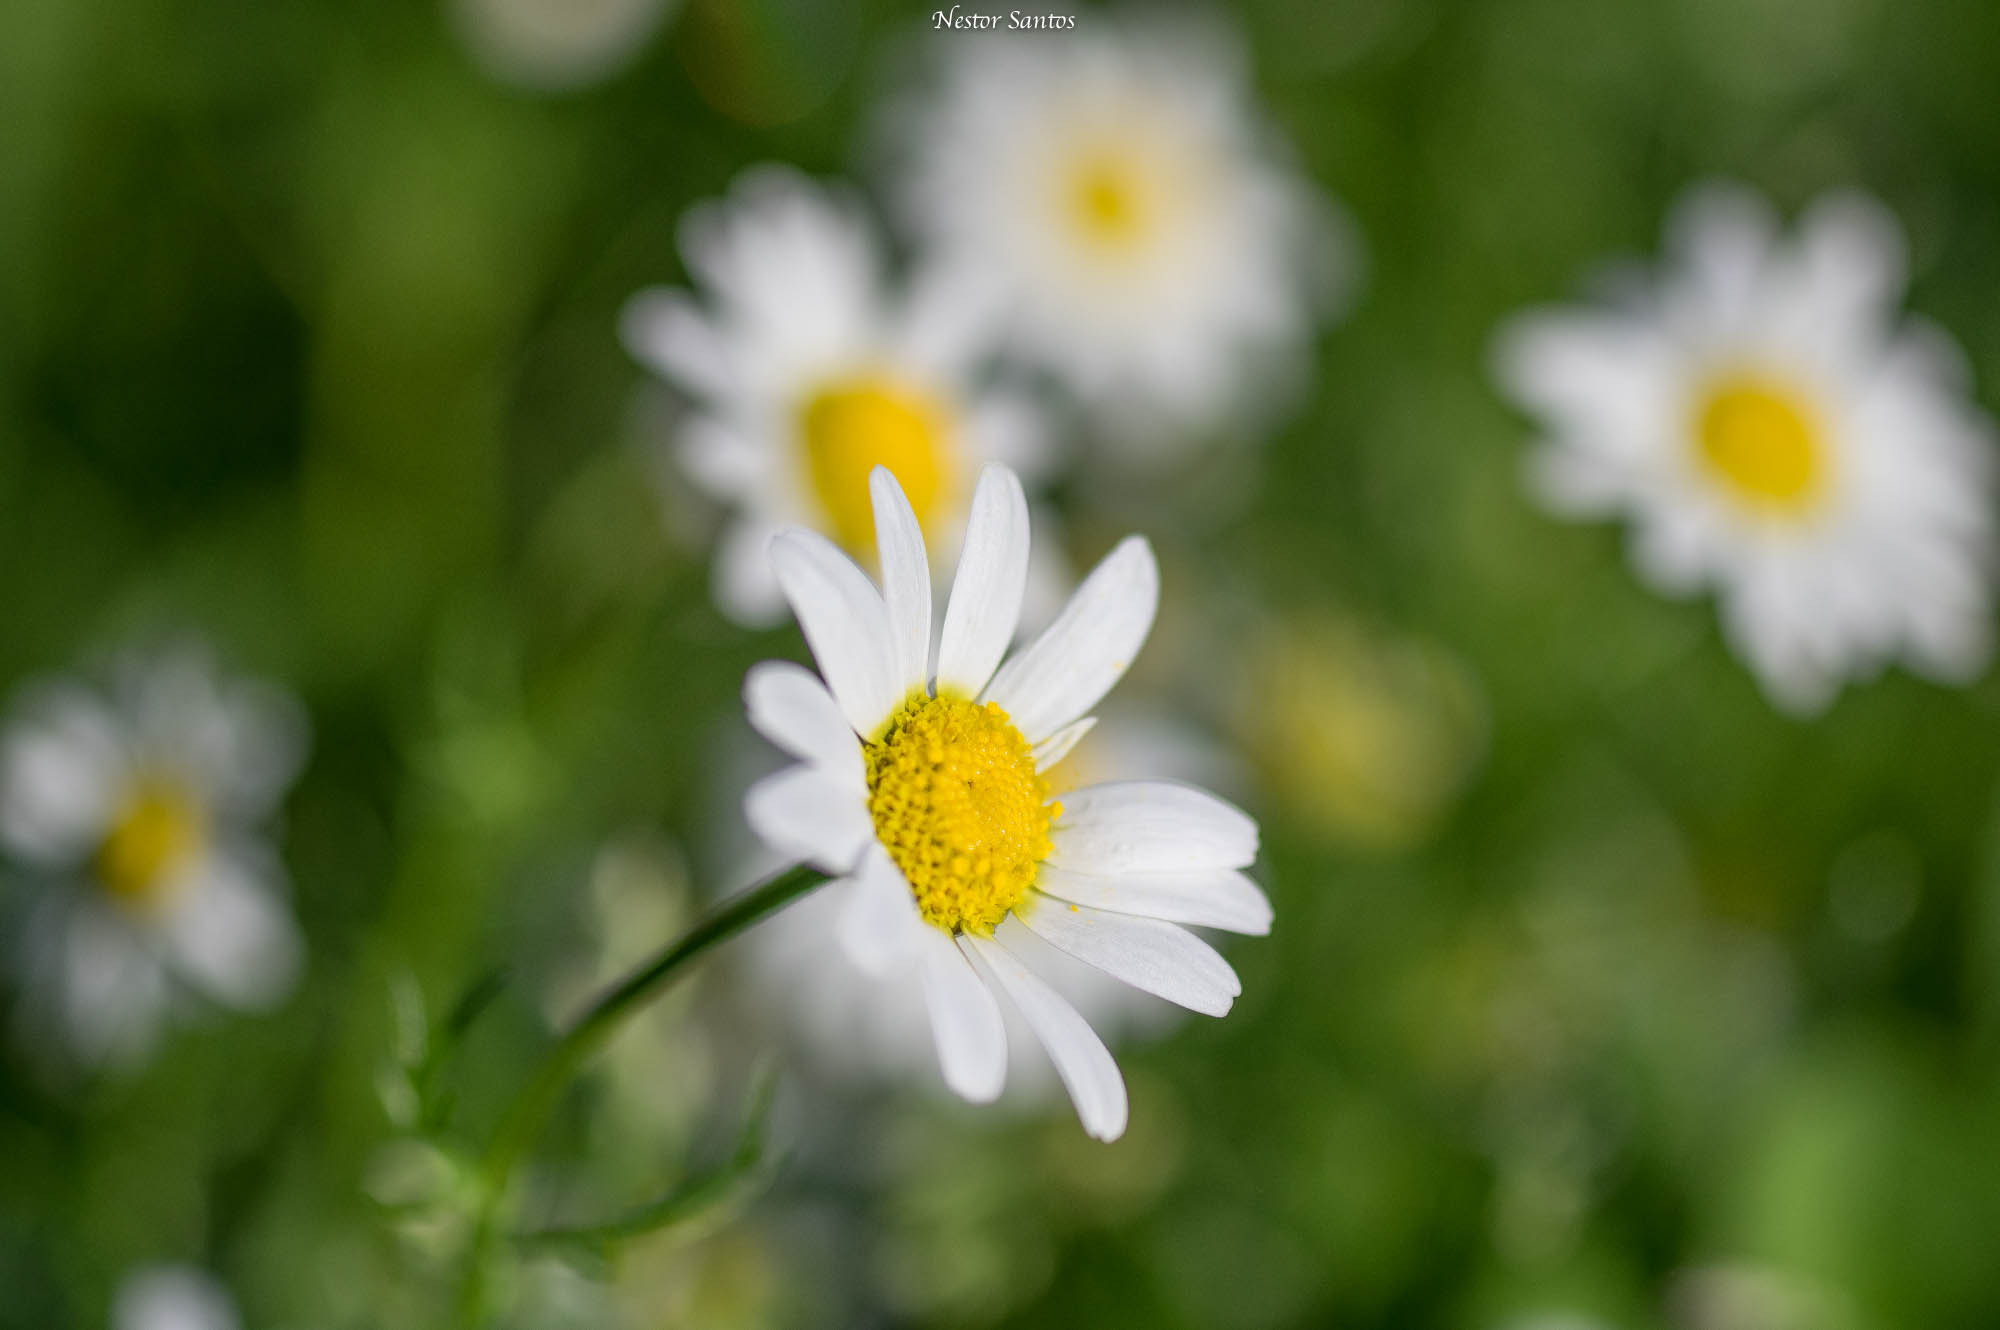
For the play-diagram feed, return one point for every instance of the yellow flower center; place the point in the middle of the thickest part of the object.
(1107, 201)
(958, 804)
(852, 426)
(159, 829)
(1760, 439)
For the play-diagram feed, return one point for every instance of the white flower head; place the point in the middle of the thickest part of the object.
(922, 789)
(143, 805)
(172, 1297)
(1116, 192)
(857, 1028)
(1773, 428)
(806, 373)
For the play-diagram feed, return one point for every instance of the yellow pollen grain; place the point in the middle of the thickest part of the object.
(851, 426)
(1761, 441)
(157, 831)
(958, 804)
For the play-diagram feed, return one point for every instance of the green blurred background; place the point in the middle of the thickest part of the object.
(1597, 988)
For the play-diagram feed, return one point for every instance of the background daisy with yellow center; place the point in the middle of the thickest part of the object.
(1775, 429)
(143, 807)
(1116, 193)
(926, 793)
(806, 371)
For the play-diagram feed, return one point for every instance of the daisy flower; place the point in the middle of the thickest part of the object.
(143, 806)
(806, 373)
(857, 1028)
(1774, 430)
(172, 1297)
(926, 794)
(1117, 194)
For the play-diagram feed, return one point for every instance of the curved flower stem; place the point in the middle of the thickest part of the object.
(522, 1124)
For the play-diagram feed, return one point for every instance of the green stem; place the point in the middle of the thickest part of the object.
(526, 1117)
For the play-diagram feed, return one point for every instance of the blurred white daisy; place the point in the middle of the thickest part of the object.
(855, 1027)
(1774, 428)
(1116, 193)
(172, 1297)
(143, 806)
(807, 373)
(928, 798)
(556, 44)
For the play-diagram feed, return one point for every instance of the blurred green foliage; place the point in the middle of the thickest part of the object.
(307, 341)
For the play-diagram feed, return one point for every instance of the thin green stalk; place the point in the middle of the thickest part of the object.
(527, 1116)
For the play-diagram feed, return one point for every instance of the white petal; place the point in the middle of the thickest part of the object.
(1160, 958)
(669, 334)
(63, 766)
(723, 459)
(172, 1297)
(906, 578)
(789, 705)
(247, 739)
(111, 990)
(965, 1020)
(1722, 235)
(1150, 826)
(845, 623)
(986, 596)
(233, 937)
(1087, 1069)
(1079, 656)
(741, 578)
(804, 811)
(946, 321)
(879, 924)
(1056, 747)
(1853, 256)
(1214, 898)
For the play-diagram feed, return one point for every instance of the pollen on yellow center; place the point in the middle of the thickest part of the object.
(1762, 441)
(157, 831)
(851, 426)
(958, 804)
(1107, 201)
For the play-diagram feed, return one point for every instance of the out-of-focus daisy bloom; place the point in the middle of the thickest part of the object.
(1116, 193)
(855, 1027)
(144, 806)
(1774, 429)
(172, 1297)
(927, 796)
(807, 373)
(556, 44)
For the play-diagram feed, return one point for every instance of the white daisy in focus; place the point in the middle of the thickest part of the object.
(927, 797)
(806, 374)
(172, 1297)
(143, 806)
(556, 44)
(1773, 428)
(858, 1028)
(1117, 194)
